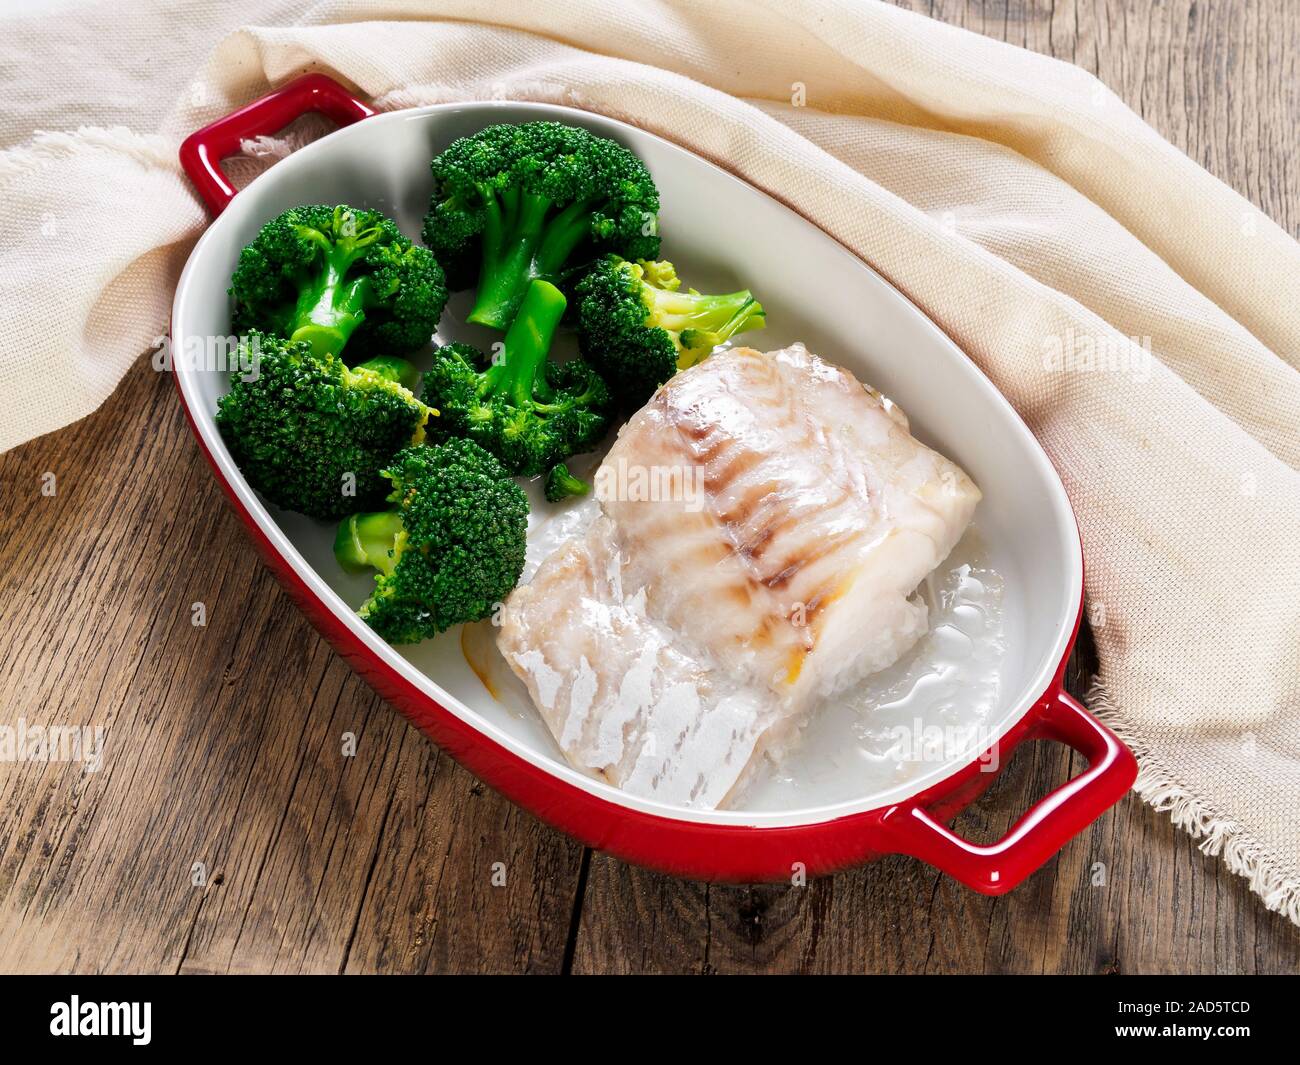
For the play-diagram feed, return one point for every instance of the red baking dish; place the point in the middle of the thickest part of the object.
(1025, 517)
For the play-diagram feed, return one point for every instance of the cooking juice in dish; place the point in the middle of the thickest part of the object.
(931, 707)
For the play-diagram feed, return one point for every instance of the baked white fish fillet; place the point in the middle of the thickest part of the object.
(766, 521)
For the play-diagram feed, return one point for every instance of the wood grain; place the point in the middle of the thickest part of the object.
(225, 741)
(223, 747)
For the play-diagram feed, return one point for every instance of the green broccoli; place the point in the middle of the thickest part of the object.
(560, 484)
(312, 435)
(452, 549)
(334, 276)
(637, 329)
(517, 202)
(528, 411)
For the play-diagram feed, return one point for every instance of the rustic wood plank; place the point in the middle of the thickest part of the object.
(465, 882)
(1220, 80)
(224, 746)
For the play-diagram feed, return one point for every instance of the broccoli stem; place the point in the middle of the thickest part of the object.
(518, 372)
(391, 368)
(330, 307)
(369, 541)
(700, 321)
(560, 484)
(563, 234)
(694, 345)
(519, 245)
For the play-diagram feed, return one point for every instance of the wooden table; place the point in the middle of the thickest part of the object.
(227, 832)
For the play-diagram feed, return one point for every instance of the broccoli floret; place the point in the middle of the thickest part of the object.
(452, 549)
(637, 328)
(528, 411)
(337, 275)
(560, 484)
(312, 435)
(517, 202)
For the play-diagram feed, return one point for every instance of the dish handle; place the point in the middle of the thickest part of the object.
(1046, 827)
(202, 152)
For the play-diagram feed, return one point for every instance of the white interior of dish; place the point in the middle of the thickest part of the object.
(722, 234)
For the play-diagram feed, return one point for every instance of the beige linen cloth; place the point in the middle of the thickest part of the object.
(1142, 317)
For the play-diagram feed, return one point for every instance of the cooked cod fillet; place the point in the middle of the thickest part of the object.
(766, 521)
(626, 700)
